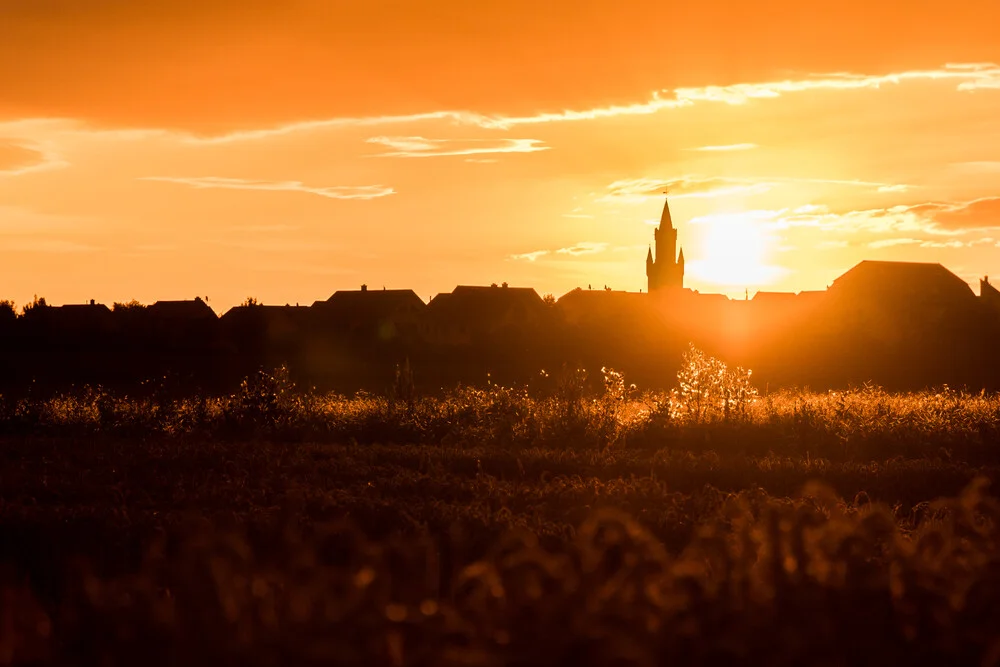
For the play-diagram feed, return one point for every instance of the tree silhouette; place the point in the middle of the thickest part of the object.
(128, 306)
(33, 307)
(8, 311)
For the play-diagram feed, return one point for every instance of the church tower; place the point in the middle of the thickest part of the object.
(666, 268)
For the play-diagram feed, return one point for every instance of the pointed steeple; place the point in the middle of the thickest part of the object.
(665, 269)
(666, 222)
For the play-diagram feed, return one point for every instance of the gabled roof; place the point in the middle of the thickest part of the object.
(580, 303)
(195, 309)
(895, 279)
(369, 307)
(602, 296)
(775, 297)
(473, 301)
(80, 314)
(263, 312)
(81, 308)
(380, 300)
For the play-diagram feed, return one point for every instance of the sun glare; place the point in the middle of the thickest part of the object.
(733, 251)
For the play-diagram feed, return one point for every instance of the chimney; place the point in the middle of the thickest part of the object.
(504, 285)
(364, 288)
(91, 302)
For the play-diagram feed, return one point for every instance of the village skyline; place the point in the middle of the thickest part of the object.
(172, 164)
(664, 267)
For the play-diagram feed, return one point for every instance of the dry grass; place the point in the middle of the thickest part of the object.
(708, 526)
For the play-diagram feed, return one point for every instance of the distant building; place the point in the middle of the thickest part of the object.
(665, 269)
(372, 314)
(194, 310)
(580, 305)
(76, 318)
(471, 313)
(273, 322)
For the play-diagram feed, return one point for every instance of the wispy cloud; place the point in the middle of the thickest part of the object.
(18, 159)
(453, 117)
(422, 147)
(529, 256)
(583, 248)
(331, 192)
(954, 243)
(724, 148)
(967, 76)
(929, 225)
(575, 250)
(637, 190)
(976, 214)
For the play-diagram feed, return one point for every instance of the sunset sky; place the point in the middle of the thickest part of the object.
(229, 148)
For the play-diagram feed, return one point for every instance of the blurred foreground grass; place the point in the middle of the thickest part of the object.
(498, 526)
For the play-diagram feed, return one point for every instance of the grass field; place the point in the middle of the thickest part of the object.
(561, 525)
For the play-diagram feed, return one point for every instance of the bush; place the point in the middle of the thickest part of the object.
(711, 390)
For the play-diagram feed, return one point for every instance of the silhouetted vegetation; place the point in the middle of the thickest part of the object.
(35, 306)
(577, 520)
(132, 306)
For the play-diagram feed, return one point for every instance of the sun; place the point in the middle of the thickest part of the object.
(733, 250)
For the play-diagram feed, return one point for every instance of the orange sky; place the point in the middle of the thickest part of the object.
(227, 149)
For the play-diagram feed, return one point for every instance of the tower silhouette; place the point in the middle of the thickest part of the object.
(666, 268)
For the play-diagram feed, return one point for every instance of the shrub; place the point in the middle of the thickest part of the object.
(709, 389)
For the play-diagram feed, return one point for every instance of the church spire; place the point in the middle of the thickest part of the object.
(665, 268)
(665, 220)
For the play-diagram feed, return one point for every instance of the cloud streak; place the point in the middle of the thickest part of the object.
(636, 190)
(968, 77)
(576, 250)
(583, 248)
(939, 223)
(332, 192)
(529, 256)
(18, 159)
(421, 147)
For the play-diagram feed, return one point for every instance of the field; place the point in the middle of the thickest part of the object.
(573, 523)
